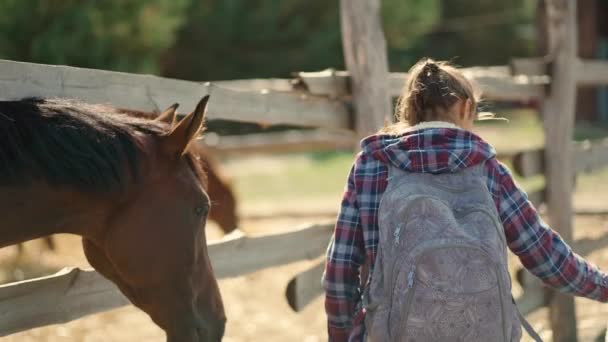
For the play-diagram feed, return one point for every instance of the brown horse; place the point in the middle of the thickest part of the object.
(224, 205)
(131, 188)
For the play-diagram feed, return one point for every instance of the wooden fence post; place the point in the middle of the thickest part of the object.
(558, 113)
(366, 60)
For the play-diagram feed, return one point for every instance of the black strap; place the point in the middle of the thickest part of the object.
(525, 324)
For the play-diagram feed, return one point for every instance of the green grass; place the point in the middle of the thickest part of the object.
(309, 177)
(302, 176)
(523, 131)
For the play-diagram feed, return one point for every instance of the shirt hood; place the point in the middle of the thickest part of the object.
(430, 147)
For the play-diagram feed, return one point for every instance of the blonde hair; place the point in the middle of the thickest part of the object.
(430, 90)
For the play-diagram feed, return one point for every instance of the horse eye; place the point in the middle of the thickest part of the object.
(199, 211)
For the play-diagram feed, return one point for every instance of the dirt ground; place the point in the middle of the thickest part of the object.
(255, 303)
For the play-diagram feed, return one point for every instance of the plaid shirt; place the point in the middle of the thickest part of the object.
(438, 150)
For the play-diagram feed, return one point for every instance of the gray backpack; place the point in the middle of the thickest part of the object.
(441, 269)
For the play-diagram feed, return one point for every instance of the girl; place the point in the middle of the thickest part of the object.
(436, 112)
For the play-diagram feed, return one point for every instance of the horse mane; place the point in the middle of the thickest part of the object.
(196, 156)
(71, 143)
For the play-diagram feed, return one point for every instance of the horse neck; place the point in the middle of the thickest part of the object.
(36, 210)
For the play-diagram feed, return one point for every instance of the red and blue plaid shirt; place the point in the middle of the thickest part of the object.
(438, 150)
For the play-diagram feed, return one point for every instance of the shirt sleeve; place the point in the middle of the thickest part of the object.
(344, 258)
(540, 249)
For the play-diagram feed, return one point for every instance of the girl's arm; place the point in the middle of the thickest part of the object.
(344, 257)
(540, 249)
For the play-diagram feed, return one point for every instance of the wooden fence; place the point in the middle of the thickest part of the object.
(320, 100)
(309, 99)
(74, 293)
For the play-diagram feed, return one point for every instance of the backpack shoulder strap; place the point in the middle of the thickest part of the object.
(526, 324)
(477, 170)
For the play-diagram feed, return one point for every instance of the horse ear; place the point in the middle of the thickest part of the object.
(186, 130)
(168, 115)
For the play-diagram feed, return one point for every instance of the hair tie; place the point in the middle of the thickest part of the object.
(431, 67)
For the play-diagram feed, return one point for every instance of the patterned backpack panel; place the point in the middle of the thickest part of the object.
(441, 270)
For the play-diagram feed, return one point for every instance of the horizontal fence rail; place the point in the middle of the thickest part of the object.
(496, 83)
(309, 99)
(74, 293)
(306, 286)
(152, 93)
(589, 156)
(281, 142)
(588, 72)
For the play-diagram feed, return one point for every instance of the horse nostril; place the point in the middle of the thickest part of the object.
(205, 335)
(222, 329)
(211, 331)
(217, 331)
(202, 334)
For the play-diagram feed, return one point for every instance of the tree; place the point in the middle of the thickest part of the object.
(405, 24)
(486, 32)
(226, 39)
(119, 35)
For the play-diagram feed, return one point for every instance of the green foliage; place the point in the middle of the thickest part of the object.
(406, 21)
(125, 35)
(226, 39)
(484, 32)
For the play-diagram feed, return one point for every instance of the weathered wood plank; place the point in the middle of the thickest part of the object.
(144, 92)
(281, 142)
(528, 66)
(257, 84)
(270, 108)
(588, 72)
(305, 287)
(245, 254)
(560, 104)
(592, 72)
(74, 293)
(496, 83)
(537, 197)
(364, 49)
(328, 82)
(586, 246)
(529, 163)
(589, 156)
(60, 298)
(147, 92)
(534, 296)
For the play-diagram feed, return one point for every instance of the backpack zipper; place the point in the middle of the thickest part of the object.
(397, 234)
